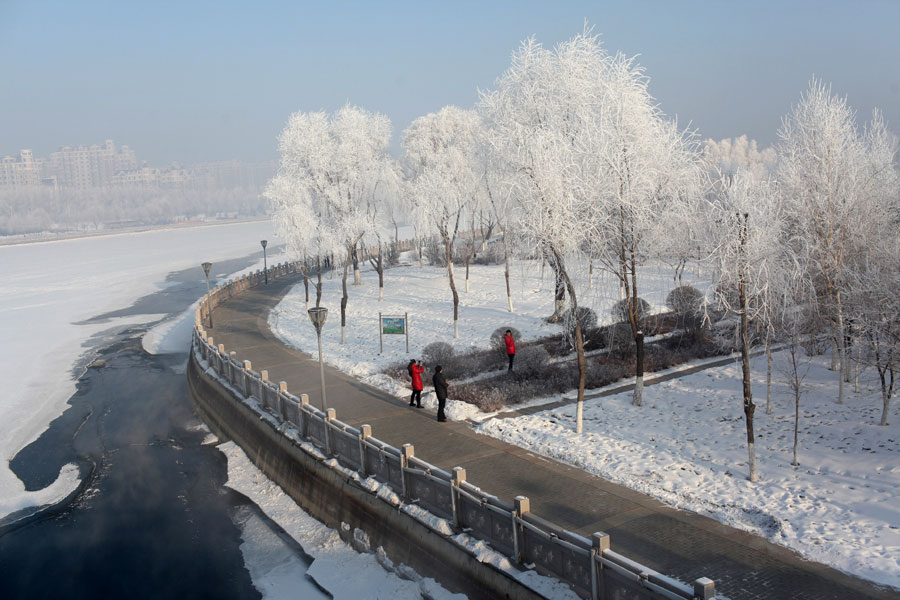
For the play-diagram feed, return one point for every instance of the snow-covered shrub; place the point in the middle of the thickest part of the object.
(392, 257)
(487, 399)
(437, 353)
(687, 304)
(472, 364)
(605, 372)
(619, 338)
(532, 360)
(492, 255)
(685, 299)
(619, 310)
(497, 342)
(586, 317)
(657, 358)
(435, 252)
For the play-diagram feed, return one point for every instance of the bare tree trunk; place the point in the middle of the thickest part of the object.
(858, 360)
(303, 271)
(559, 298)
(768, 377)
(886, 375)
(842, 354)
(380, 273)
(506, 274)
(344, 299)
(354, 255)
(319, 284)
(448, 253)
(749, 407)
(590, 272)
(579, 341)
(795, 384)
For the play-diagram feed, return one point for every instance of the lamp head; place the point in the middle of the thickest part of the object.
(206, 267)
(317, 315)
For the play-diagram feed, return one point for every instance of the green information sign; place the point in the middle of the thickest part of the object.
(393, 325)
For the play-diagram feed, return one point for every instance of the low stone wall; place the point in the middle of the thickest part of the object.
(419, 514)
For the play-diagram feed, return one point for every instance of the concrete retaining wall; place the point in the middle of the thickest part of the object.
(334, 499)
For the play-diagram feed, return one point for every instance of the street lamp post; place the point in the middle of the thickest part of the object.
(265, 266)
(206, 267)
(317, 315)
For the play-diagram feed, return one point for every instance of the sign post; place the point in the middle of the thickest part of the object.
(392, 325)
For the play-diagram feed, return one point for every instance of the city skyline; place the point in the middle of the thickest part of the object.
(86, 166)
(205, 82)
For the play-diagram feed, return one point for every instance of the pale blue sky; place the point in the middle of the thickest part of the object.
(193, 81)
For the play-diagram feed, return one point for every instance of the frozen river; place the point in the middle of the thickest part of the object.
(110, 486)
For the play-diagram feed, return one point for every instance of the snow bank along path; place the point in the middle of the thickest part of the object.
(49, 289)
(285, 432)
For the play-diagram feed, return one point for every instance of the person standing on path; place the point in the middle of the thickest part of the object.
(416, 370)
(440, 390)
(510, 347)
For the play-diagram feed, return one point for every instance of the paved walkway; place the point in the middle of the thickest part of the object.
(681, 544)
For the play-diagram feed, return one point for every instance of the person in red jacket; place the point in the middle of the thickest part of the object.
(510, 347)
(416, 370)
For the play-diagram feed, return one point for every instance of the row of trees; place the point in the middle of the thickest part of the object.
(571, 160)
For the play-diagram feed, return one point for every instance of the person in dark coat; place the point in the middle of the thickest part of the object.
(510, 347)
(440, 390)
(416, 370)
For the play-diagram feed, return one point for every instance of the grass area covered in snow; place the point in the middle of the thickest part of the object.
(687, 447)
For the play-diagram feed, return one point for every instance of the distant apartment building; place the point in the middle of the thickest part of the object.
(22, 171)
(90, 166)
(105, 165)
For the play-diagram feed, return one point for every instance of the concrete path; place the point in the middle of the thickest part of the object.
(677, 543)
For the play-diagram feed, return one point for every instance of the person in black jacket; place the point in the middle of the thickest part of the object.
(440, 390)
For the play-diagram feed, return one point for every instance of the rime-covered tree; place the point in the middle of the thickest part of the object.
(338, 162)
(755, 268)
(645, 170)
(298, 221)
(539, 120)
(440, 154)
(834, 179)
(730, 155)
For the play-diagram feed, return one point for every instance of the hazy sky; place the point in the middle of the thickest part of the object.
(193, 81)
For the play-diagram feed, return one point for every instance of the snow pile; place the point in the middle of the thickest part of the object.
(50, 290)
(424, 294)
(686, 446)
(373, 574)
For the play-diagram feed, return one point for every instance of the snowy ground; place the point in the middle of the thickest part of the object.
(424, 293)
(686, 446)
(49, 289)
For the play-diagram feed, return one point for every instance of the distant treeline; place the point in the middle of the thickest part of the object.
(37, 210)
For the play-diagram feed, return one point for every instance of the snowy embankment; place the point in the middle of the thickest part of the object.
(337, 567)
(50, 292)
(687, 447)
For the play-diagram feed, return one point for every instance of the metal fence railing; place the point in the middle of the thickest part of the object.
(589, 566)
